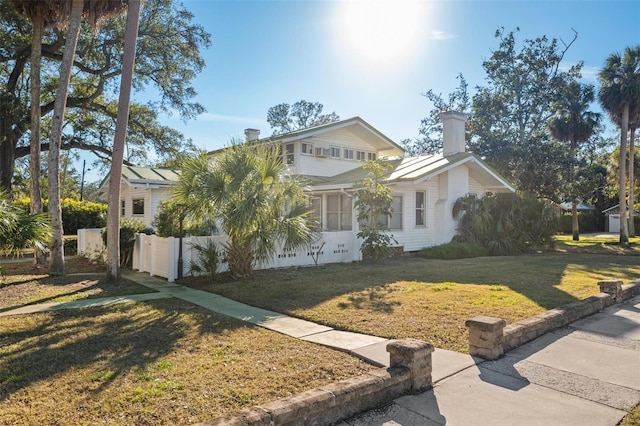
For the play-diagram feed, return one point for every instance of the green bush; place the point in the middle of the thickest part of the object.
(208, 258)
(75, 214)
(128, 230)
(167, 221)
(587, 222)
(70, 246)
(452, 251)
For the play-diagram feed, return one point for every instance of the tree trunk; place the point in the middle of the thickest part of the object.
(575, 231)
(113, 213)
(7, 160)
(632, 189)
(624, 125)
(56, 247)
(34, 138)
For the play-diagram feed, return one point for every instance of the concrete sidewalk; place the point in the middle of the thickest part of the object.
(585, 374)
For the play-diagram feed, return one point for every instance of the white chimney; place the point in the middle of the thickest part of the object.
(453, 132)
(251, 135)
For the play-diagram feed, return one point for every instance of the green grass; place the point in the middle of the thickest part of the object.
(156, 363)
(430, 299)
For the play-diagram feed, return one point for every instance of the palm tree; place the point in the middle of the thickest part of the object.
(257, 205)
(19, 231)
(620, 80)
(574, 122)
(94, 11)
(113, 213)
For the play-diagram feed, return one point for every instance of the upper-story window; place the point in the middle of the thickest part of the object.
(361, 155)
(306, 148)
(347, 153)
(289, 153)
(335, 152)
(371, 156)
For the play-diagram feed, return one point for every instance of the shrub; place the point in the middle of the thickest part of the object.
(587, 222)
(505, 223)
(75, 214)
(452, 251)
(167, 221)
(128, 230)
(208, 258)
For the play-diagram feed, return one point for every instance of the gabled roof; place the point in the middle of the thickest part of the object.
(418, 169)
(146, 175)
(355, 125)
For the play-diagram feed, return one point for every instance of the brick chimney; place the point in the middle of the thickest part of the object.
(453, 132)
(251, 135)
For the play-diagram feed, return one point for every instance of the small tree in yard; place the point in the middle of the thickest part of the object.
(374, 206)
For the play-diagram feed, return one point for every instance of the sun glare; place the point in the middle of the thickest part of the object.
(382, 30)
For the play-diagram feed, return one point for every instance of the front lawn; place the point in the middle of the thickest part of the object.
(154, 363)
(431, 299)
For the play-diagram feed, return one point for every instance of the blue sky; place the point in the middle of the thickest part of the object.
(373, 59)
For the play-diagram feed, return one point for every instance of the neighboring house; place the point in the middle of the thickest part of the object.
(141, 189)
(612, 223)
(330, 156)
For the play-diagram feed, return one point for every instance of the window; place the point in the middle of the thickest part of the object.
(361, 155)
(335, 152)
(421, 217)
(289, 153)
(371, 156)
(122, 207)
(315, 203)
(395, 220)
(306, 148)
(348, 154)
(339, 211)
(138, 206)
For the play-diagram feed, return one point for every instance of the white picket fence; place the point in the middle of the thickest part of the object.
(159, 256)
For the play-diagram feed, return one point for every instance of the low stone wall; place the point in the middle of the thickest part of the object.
(490, 338)
(409, 371)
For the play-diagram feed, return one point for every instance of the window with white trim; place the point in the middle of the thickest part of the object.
(339, 212)
(421, 211)
(393, 221)
(306, 148)
(122, 207)
(138, 206)
(335, 151)
(347, 153)
(361, 155)
(371, 156)
(289, 153)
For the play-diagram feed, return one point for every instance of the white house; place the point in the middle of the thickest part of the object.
(424, 188)
(330, 156)
(141, 190)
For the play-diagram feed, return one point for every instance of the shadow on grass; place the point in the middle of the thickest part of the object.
(535, 276)
(113, 339)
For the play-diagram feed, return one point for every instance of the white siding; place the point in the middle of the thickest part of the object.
(151, 197)
(476, 188)
(413, 237)
(327, 166)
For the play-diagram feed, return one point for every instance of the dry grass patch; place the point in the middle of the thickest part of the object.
(159, 362)
(428, 299)
(23, 284)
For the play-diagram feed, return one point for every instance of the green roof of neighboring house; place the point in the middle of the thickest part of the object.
(158, 176)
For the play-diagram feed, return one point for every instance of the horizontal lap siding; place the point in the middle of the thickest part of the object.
(315, 166)
(413, 237)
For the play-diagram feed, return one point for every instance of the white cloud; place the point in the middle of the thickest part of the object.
(589, 73)
(441, 35)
